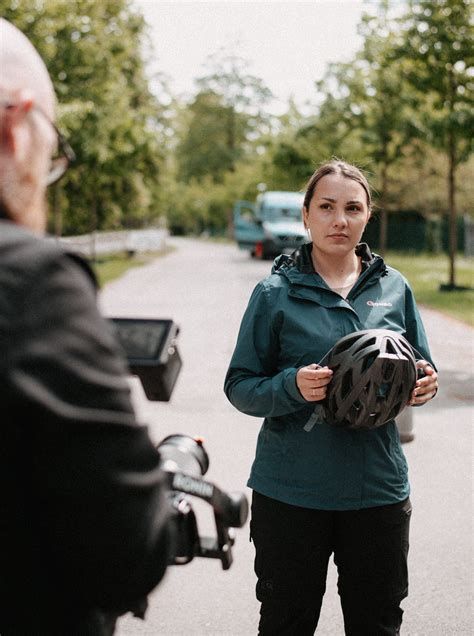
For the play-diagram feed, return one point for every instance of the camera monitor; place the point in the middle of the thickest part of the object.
(149, 346)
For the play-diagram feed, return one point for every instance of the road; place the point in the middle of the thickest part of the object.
(204, 287)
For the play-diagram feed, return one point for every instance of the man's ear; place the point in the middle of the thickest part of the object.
(14, 113)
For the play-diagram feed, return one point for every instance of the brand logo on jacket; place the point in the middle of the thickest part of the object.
(375, 303)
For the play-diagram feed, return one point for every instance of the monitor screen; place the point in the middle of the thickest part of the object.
(141, 339)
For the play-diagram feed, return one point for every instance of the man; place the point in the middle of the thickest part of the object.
(83, 520)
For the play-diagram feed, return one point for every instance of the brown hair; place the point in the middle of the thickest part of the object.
(336, 166)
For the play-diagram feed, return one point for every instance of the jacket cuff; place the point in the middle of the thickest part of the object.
(291, 387)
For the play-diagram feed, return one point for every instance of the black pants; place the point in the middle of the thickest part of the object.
(293, 546)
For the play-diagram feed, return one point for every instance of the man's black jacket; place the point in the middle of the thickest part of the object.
(82, 510)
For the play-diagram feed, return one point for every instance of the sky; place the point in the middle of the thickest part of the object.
(288, 44)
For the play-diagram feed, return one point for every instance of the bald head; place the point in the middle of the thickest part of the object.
(27, 139)
(23, 69)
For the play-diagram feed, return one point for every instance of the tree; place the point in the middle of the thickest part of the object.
(224, 119)
(435, 39)
(206, 148)
(289, 156)
(384, 108)
(242, 94)
(92, 49)
(366, 112)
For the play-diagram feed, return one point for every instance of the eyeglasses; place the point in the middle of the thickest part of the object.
(64, 154)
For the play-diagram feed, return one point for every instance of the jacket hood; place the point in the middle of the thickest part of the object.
(298, 267)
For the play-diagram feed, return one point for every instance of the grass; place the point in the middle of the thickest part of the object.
(426, 272)
(109, 268)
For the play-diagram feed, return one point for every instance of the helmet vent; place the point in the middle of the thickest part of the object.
(383, 390)
(347, 344)
(365, 344)
(346, 383)
(368, 360)
(388, 371)
(389, 347)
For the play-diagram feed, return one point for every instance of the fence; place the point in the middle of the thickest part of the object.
(411, 231)
(103, 243)
(468, 236)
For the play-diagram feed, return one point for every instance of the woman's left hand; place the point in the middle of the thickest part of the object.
(425, 388)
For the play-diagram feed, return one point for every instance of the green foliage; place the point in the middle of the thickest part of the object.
(404, 98)
(419, 182)
(299, 145)
(213, 141)
(436, 40)
(368, 109)
(204, 206)
(401, 109)
(221, 120)
(291, 164)
(93, 54)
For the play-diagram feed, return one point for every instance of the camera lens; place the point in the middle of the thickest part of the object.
(185, 454)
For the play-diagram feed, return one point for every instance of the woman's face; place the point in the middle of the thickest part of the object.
(337, 215)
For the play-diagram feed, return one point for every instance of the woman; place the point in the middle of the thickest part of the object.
(328, 489)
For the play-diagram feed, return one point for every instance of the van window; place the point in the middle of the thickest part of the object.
(280, 213)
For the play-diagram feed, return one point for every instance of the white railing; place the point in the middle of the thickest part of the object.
(101, 243)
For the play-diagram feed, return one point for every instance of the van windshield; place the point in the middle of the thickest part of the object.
(281, 213)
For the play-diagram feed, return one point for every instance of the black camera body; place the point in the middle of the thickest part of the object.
(150, 347)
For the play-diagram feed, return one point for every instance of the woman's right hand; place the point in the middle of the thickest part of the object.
(312, 381)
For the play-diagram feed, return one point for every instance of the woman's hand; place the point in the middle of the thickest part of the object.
(425, 388)
(312, 382)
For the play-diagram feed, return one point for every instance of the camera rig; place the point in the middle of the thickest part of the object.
(150, 347)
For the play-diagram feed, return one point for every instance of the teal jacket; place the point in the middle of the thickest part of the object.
(292, 320)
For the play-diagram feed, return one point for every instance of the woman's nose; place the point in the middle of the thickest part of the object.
(339, 219)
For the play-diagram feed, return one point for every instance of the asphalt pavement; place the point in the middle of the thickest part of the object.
(204, 286)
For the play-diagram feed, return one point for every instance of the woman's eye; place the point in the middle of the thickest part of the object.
(353, 208)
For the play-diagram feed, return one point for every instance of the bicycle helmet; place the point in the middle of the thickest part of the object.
(374, 373)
